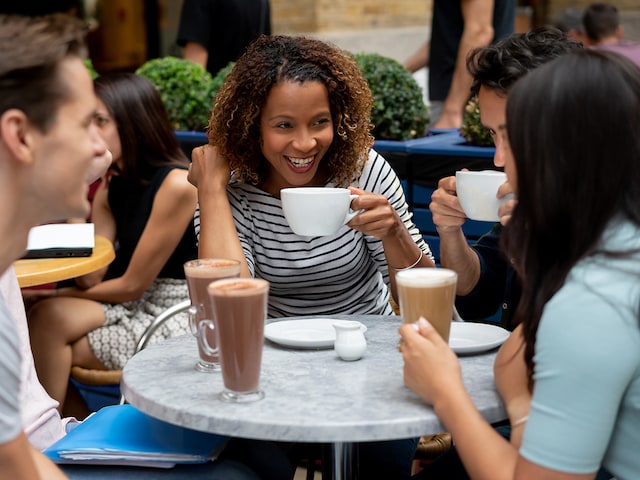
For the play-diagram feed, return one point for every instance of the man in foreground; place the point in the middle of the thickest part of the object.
(48, 141)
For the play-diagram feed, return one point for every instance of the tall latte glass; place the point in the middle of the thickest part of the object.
(239, 312)
(200, 273)
(428, 293)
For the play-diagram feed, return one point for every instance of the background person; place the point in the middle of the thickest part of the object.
(458, 26)
(602, 28)
(216, 32)
(146, 208)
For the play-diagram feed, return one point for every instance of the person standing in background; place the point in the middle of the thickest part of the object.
(457, 28)
(601, 23)
(216, 32)
(570, 22)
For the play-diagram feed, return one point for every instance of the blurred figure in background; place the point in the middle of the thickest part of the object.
(602, 28)
(458, 26)
(570, 22)
(146, 209)
(216, 32)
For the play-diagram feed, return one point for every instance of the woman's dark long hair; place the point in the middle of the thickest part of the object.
(146, 135)
(574, 130)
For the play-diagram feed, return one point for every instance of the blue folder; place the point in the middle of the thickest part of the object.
(123, 435)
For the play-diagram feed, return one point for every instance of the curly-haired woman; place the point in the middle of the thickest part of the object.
(295, 112)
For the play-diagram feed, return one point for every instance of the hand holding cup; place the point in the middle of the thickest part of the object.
(317, 211)
(478, 194)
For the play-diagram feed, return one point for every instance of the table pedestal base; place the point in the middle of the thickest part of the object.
(345, 461)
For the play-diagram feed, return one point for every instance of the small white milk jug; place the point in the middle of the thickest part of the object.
(350, 343)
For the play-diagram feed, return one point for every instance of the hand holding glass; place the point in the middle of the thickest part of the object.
(428, 293)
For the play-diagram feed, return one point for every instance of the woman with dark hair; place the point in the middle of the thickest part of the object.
(145, 208)
(570, 373)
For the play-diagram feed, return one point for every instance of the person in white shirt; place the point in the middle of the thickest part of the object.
(47, 143)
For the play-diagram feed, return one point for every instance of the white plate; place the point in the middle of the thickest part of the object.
(469, 337)
(306, 333)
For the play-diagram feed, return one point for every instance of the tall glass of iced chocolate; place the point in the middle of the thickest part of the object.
(239, 312)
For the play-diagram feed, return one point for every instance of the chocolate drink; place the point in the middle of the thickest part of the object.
(240, 310)
(200, 273)
(428, 293)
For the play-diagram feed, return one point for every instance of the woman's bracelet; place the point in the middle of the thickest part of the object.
(412, 265)
(520, 421)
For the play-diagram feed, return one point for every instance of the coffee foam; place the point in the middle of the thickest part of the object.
(238, 287)
(420, 277)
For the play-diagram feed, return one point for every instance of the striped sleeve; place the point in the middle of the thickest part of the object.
(378, 177)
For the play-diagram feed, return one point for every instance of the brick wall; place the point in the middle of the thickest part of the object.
(295, 16)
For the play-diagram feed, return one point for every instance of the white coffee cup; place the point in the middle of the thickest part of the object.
(317, 211)
(477, 193)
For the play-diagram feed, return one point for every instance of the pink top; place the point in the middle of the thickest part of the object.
(631, 50)
(40, 419)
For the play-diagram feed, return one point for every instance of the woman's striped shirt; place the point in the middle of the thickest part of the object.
(341, 274)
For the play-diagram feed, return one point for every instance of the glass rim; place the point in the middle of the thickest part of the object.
(226, 262)
(429, 273)
(258, 284)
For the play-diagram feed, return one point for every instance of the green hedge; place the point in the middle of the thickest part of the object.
(399, 112)
(186, 90)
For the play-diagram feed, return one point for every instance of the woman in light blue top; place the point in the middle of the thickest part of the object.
(570, 373)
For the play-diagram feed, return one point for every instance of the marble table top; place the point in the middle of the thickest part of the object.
(311, 395)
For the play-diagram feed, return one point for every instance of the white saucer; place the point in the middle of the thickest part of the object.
(469, 337)
(305, 333)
